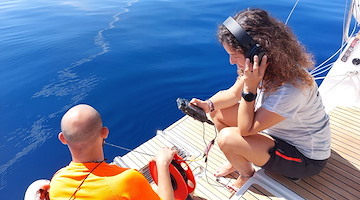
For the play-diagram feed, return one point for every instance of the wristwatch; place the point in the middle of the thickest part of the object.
(249, 97)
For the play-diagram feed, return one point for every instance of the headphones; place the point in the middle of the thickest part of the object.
(245, 40)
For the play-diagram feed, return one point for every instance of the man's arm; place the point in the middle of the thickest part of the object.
(163, 160)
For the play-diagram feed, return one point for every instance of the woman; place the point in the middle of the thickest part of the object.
(272, 116)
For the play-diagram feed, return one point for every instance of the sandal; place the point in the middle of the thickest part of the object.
(229, 185)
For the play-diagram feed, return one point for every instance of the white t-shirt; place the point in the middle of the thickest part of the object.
(306, 126)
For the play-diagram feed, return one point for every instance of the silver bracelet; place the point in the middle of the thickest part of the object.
(211, 105)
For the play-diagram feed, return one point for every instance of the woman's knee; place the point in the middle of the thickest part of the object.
(226, 137)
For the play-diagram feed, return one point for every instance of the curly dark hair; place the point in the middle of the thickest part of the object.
(288, 59)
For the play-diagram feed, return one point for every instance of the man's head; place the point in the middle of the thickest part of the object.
(81, 125)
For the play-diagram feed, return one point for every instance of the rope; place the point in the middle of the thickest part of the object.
(327, 68)
(127, 149)
(292, 10)
(315, 71)
(349, 73)
(152, 155)
(344, 21)
(319, 67)
(338, 83)
(323, 77)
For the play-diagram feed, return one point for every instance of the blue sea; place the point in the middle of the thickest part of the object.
(129, 59)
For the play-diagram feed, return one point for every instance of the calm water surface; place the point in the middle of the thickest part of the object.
(129, 59)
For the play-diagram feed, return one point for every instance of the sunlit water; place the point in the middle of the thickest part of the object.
(128, 59)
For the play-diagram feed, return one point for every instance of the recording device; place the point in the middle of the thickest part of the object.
(193, 111)
(245, 40)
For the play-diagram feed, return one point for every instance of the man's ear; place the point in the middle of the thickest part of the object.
(104, 132)
(62, 138)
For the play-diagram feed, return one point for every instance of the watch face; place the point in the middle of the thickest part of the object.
(249, 96)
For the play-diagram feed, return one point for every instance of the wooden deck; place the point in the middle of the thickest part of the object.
(339, 180)
(341, 177)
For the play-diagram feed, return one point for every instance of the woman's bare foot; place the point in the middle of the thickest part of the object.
(225, 169)
(239, 182)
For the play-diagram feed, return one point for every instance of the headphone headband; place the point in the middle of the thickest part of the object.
(239, 33)
(245, 40)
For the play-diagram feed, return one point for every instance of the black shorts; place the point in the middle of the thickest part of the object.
(286, 160)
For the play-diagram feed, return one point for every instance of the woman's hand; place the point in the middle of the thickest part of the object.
(254, 73)
(202, 104)
(240, 72)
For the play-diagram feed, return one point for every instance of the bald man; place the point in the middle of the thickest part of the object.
(88, 176)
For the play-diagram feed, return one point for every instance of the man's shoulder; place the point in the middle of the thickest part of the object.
(60, 171)
(115, 170)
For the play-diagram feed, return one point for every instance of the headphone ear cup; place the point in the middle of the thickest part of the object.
(255, 50)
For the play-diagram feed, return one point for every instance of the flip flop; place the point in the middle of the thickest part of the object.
(227, 183)
(223, 181)
(232, 188)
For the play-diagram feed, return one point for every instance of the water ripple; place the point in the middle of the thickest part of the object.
(34, 137)
(67, 84)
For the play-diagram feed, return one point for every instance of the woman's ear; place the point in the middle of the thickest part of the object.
(62, 138)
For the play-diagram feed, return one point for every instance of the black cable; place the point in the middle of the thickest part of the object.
(78, 188)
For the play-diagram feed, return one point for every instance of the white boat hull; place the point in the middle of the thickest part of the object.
(341, 87)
